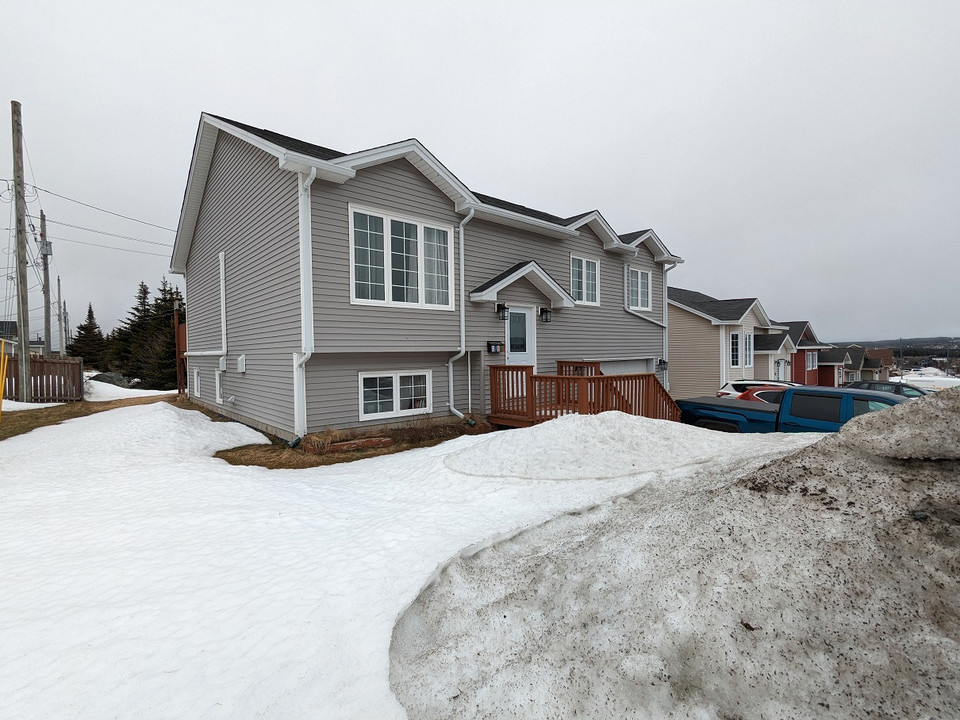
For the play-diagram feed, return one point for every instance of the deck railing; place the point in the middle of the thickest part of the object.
(518, 396)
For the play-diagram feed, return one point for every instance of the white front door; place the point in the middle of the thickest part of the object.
(521, 334)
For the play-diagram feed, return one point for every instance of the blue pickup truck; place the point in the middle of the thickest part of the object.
(801, 409)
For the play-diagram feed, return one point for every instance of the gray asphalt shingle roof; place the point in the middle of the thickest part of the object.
(722, 310)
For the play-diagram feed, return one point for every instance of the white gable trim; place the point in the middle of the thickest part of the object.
(655, 245)
(559, 298)
(611, 241)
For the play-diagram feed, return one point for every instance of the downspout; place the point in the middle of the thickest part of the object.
(222, 352)
(307, 334)
(666, 325)
(463, 321)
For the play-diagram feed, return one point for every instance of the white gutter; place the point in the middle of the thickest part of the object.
(666, 325)
(463, 321)
(307, 334)
(222, 352)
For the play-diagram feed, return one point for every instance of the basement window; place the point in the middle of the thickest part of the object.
(398, 394)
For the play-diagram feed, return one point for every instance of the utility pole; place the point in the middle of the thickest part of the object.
(23, 306)
(63, 344)
(46, 251)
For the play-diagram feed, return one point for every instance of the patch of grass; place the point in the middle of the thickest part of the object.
(279, 455)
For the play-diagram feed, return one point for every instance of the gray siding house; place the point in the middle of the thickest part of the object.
(333, 290)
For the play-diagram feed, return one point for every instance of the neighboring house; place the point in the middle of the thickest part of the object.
(830, 364)
(715, 341)
(868, 364)
(877, 364)
(805, 365)
(330, 290)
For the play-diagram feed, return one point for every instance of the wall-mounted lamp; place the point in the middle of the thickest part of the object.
(502, 311)
(546, 314)
(662, 365)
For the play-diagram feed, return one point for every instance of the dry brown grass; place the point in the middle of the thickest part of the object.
(277, 455)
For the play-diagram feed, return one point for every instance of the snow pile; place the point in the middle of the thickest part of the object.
(608, 445)
(927, 428)
(823, 585)
(93, 391)
(143, 578)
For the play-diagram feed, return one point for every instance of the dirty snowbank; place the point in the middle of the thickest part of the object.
(608, 445)
(822, 585)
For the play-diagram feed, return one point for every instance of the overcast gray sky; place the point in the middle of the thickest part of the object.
(806, 153)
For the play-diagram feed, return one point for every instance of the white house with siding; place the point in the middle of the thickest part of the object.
(328, 289)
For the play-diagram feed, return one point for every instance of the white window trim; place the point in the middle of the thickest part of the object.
(196, 382)
(748, 350)
(395, 374)
(218, 385)
(387, 272)
(649, 305)
(573, 290)
(812, 363)
(739, 362)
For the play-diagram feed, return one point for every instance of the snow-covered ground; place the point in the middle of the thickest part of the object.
(927, 379)
(144, 578)
(93, 391)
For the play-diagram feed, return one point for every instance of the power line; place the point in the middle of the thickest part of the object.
(103, 232)
(108, 247)
(109, 212)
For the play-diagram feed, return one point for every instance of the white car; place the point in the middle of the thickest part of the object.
(735, 387)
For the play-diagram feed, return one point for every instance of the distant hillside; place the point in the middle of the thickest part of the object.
(931, 342)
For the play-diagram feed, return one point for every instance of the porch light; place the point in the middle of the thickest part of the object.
(502, 311)
(546, 314)
(662, 364)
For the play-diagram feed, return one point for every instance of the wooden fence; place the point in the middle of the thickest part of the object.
(519, 397)
(52, 379)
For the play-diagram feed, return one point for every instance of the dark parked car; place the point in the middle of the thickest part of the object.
(908, 391)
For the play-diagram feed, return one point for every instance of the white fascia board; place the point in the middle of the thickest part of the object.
(421, 158)
(290, 161)
(300, 163)
(559, 298)
(512, 219)
(656, 246)
(203, 148)
(611, 242)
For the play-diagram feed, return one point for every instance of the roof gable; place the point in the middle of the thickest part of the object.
(531, 271)
(335, 166)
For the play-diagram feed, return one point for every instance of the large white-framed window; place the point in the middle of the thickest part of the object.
(812, 363)
(395, 394)
(734, 349)
(638, 289)
(399, 261)
(585, 280)
(748, 350)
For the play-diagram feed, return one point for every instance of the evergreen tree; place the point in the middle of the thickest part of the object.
(89, 342)
(143, 346)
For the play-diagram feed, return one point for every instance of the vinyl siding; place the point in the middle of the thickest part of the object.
(583, 332)
(333, 386)
(397, 188)
(249, 212)
(694, 355)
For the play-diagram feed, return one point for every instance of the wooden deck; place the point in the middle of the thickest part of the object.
(520, 398)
